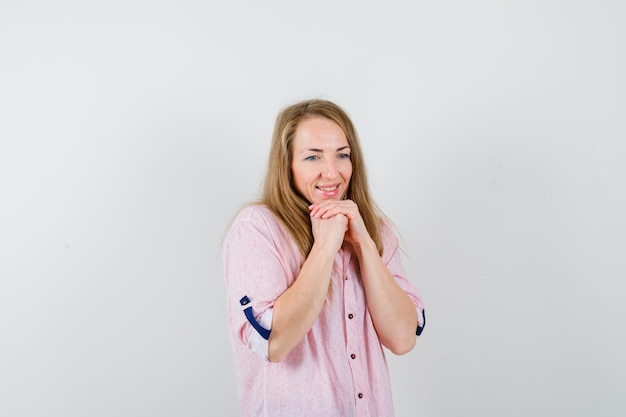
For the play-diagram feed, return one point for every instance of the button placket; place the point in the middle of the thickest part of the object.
(353, 329)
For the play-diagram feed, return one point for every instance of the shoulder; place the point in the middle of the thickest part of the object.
(389, 236)
(255, 229)
(387, 229)
(256, 218)
(256, 213)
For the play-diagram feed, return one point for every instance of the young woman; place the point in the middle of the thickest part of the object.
(314, 279)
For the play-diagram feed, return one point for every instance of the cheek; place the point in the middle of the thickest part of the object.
(299, 177)
(348, 172)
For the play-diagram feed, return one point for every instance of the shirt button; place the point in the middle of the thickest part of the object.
(360, 395)
(346, 277)
(350, 316)
(353, 356)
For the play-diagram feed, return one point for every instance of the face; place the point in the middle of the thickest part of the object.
(321, 167)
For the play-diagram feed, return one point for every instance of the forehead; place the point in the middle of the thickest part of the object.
(319, 132)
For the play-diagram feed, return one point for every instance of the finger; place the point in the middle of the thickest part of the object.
(320, 210)
(315, 208)
(328, 212)
(331, 212)
(350, 211)
(327, 209)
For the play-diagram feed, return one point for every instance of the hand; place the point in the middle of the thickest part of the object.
(356, 231)
(330, 231)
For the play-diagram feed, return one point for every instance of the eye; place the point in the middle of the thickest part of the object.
(344, 156)
(311, 158)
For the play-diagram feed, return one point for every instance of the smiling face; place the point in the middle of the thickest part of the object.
(321, 167)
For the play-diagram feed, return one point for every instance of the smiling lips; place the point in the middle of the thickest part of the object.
(329, 191)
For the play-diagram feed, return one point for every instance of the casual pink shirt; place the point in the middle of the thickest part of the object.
(339, 368)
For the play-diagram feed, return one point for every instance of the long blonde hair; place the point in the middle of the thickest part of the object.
(280, 194)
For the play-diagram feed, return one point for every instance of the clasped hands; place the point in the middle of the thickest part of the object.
(338, 220)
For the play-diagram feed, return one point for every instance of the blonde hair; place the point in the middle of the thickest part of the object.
(280, 194)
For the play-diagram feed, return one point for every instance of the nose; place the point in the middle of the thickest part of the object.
(329, 169)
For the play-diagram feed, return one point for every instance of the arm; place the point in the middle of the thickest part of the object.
(297, 309)
(393, 313)
(257, 263)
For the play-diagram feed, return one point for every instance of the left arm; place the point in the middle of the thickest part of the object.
(393, 313)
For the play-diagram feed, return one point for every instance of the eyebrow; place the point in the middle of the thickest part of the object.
(321, 150)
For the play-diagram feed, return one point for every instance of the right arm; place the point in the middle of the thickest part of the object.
(297, 309)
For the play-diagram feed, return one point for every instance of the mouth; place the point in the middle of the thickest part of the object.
(328, 189)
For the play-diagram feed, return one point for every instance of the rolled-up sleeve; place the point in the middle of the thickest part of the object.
(253, 267)
(392, 257)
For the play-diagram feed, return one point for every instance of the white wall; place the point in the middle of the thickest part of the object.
(131, 131)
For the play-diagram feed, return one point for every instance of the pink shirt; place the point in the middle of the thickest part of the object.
(339, 368)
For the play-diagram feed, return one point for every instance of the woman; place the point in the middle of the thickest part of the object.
(314, 279)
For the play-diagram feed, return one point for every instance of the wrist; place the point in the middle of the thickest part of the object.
(324, 249)
(365, 246)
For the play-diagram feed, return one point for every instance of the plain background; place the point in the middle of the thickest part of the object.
(131, 132)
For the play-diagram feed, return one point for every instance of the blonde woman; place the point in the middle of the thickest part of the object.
(314, 279)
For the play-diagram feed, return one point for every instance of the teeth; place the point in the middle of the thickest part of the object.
(328, 189)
